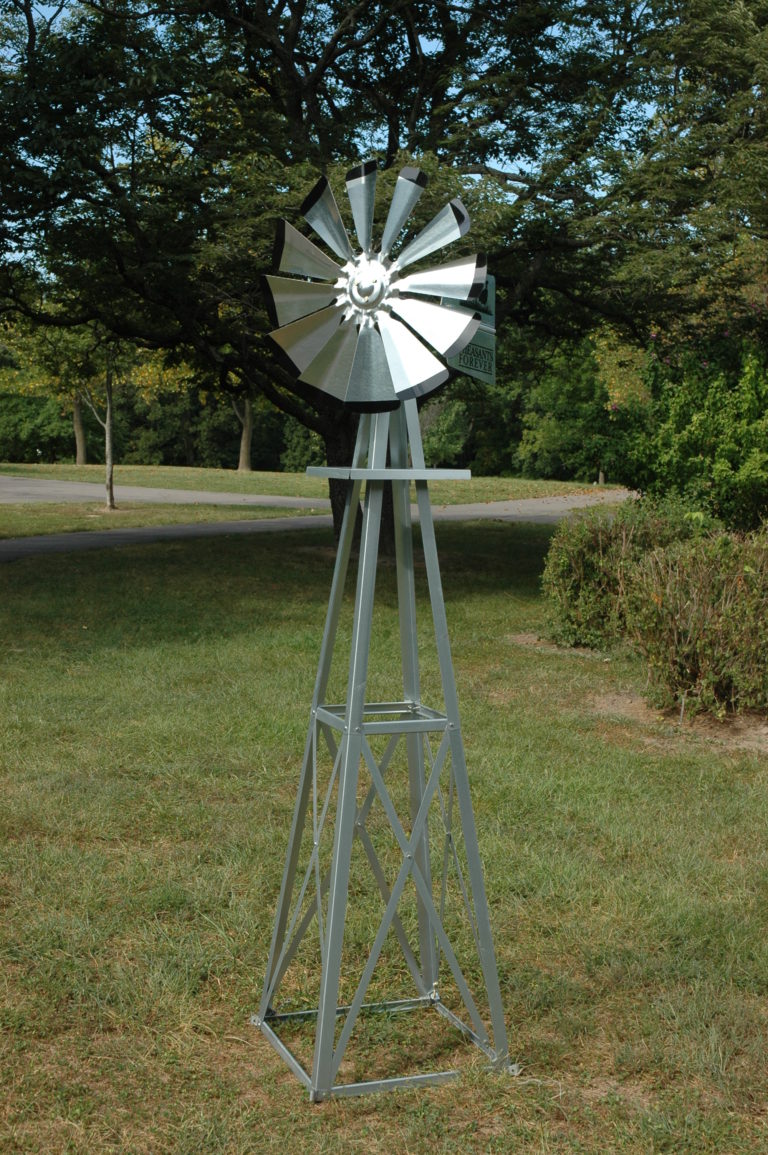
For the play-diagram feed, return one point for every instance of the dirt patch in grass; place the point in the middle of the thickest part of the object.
(742, 732)
(635, 1095)
(738, 732)
(626, 705)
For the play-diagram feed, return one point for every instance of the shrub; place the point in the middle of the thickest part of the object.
(302, 447)
(698, 612)
(711, 439)
(589, 558)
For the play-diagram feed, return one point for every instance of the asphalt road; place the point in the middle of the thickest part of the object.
(546, 510)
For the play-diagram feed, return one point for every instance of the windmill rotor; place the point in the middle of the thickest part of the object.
(357, 326)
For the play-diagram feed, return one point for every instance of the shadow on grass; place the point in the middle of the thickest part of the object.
(209, 588)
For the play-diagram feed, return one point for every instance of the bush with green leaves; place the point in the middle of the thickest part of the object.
(588, 561)
(301, 447)
(698, 612)
(445, 427)
(711, 440)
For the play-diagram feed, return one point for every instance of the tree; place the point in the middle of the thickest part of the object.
(710, 440)
(580, 421)
(34, 365)
(145, 156)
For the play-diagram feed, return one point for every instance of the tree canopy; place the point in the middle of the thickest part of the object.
(612, 154)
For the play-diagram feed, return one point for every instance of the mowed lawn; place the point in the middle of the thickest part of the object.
(153, 709)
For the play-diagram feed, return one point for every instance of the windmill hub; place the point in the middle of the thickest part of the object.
(368, 283)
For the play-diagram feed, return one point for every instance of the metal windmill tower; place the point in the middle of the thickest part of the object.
(363, 329)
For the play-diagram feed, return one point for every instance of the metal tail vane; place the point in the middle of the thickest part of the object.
(361, 330)
(383, 801)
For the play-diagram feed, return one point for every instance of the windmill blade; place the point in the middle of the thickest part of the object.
(458, 279)
(302, 340)
(288, 300)
(361, 190)
(450, 223)
(411, 183)
(295, 254)
(330, 369)
(446, 329)
(414, 369)
(370, 382)
(322, 213)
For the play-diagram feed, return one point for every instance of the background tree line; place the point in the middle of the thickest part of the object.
(612, 155)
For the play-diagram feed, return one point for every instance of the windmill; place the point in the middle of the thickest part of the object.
(363, 327)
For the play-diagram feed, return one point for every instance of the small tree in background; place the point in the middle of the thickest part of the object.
(34, 365)
(582, 419)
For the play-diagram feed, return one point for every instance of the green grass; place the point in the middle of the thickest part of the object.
(153, 706)
(178, 477)
(26, 520)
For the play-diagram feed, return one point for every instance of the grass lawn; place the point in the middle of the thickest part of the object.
(30, 519)
(153, 708)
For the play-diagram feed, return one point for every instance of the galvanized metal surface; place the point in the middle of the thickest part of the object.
(388, 474)
(348, 776)
(361, 331)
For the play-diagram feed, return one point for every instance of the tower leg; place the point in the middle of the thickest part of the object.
(351, 754)
(409, 650)
(459, 766)
(341, 567)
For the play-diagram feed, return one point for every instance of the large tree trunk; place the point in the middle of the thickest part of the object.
(339, 437)
(245, 417)
(108, 452)
(81, 448)
(339, 441)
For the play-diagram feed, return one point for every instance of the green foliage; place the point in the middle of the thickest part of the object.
(712, 437)
(168, 428)
(445, 428)
(581, 579)
(191, 427)
(475, 425)
(698, 612)
(591, 557)
(144, 163)
(303, 447)
(692, 599)
(573, 428)
(34, 428)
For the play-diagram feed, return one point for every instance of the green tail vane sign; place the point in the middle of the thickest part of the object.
(478, 357)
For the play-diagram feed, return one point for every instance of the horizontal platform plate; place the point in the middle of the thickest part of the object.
(346, 473)
(386, 718)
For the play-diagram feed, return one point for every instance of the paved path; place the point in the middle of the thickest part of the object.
(546, 510)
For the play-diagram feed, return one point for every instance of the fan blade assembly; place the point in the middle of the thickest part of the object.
(356, 325)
